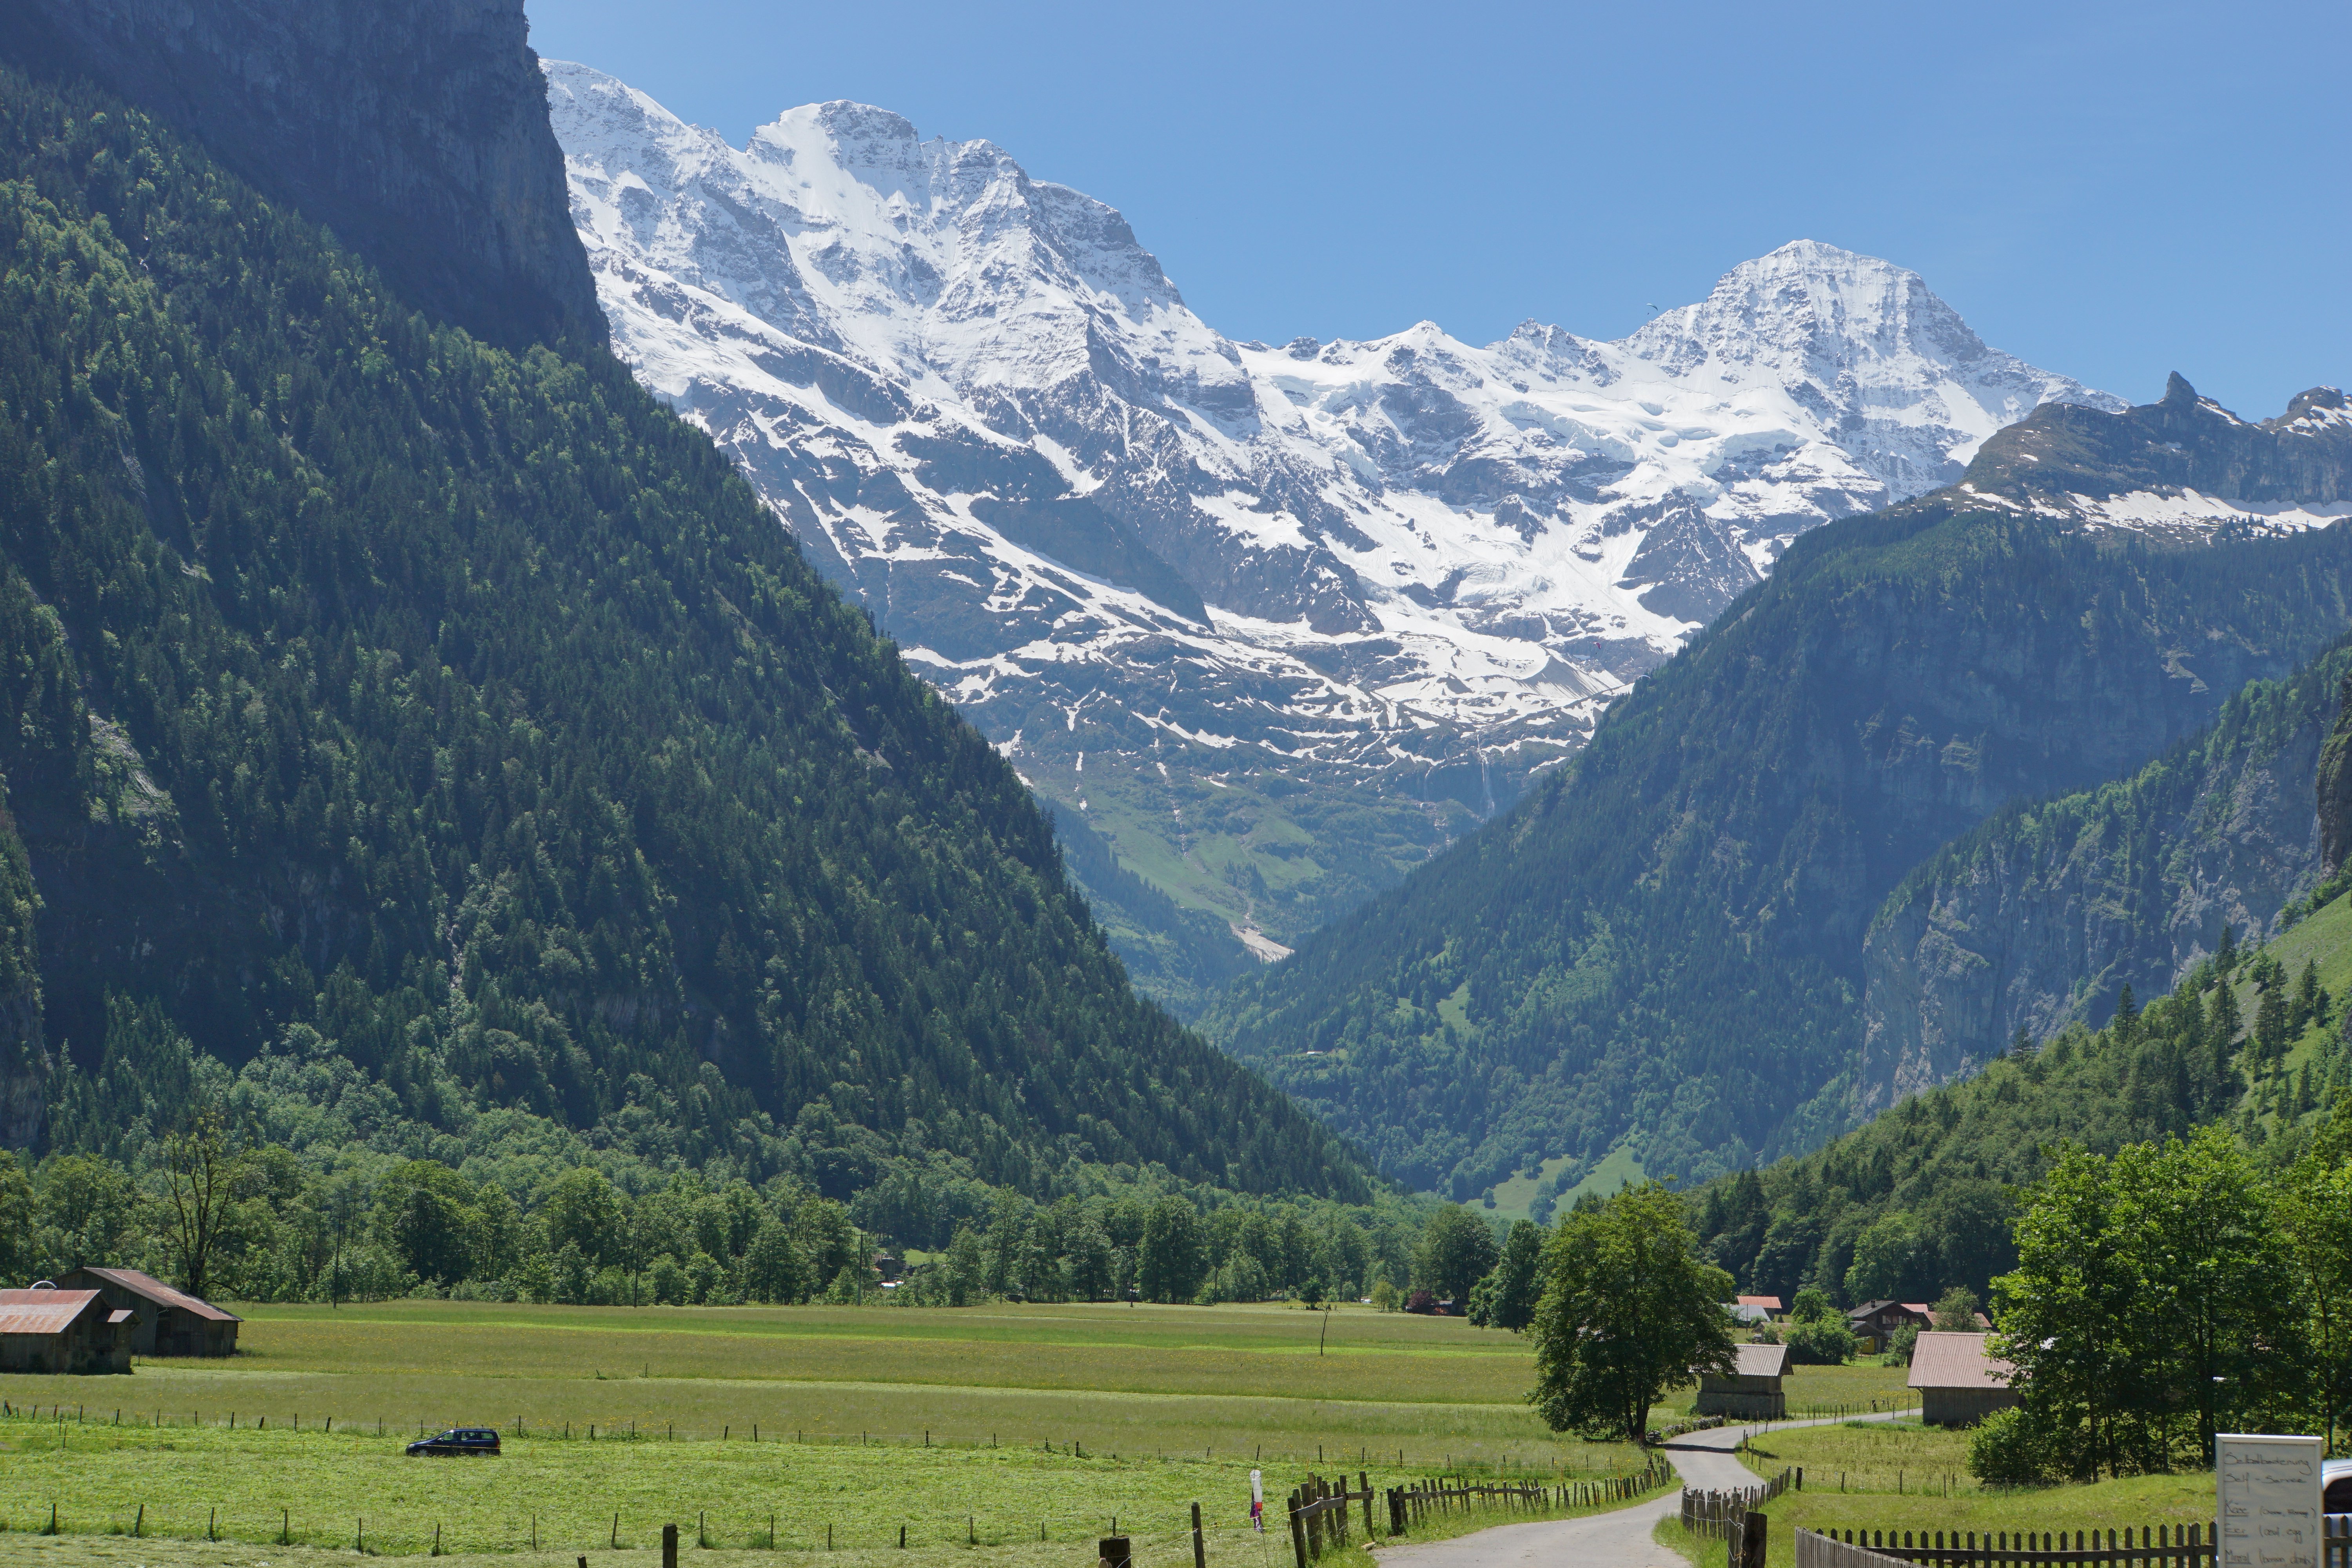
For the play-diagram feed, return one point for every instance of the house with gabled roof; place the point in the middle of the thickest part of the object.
(170, 1322)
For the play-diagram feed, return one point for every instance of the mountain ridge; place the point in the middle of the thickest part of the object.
(1411, 571)
(1664, 944)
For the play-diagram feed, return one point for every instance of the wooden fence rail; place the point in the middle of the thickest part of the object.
(2154, 1546)
(1318, 1515)
(1416, 1502)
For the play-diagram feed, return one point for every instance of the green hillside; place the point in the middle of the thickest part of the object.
(1918, 1199)
(1663, 950)
(444, 743)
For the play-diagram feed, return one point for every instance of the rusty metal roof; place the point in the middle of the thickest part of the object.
(42, 1311)
(162, 1295)
(1957, 1361)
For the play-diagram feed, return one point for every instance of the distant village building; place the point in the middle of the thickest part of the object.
(1875, 1322)
(1753, 1392)
(1749, 1317)
(48, 1330)
(1959, 1381)
(170, 1322)
(1770, 1304)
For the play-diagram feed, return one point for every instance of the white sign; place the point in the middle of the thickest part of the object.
(2268, 1504)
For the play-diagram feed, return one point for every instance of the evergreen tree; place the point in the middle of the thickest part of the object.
(2125, 1021)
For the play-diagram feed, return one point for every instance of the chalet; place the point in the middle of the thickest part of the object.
(1749, 1317)
(1959, 1383)
(170, 1322)
(1753, 1391)
(1771, 1304)
(48, 1330)
(1875, 1322)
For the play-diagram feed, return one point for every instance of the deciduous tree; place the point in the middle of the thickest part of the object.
(1628, 1311)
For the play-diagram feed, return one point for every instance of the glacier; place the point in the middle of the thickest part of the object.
(1277, 622)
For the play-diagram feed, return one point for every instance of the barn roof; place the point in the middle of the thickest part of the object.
(1769, 1303)
(162, 1295)
(1957, 1361)
(1762, 1360)
(50, 1312)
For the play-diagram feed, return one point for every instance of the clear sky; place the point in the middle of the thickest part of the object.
(2111, 190)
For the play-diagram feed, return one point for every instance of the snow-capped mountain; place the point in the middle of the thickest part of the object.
(1276, 621)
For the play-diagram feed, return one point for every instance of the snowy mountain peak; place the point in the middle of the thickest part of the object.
(1377, 582)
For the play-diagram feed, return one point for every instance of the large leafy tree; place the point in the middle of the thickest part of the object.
(1629, 1310)
(1507, 1296)
(2151, 1304)
(1457, 1248)
(1167, 1262)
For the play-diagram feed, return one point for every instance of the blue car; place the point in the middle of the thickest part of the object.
(456, 1440)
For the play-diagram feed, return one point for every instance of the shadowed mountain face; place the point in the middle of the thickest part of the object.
(1665, 948)
(415, 131)
(1276, 621)
(448, 744)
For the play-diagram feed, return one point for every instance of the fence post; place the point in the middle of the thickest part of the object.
(1297, 1531)
(669, 1546)
(1200, 1546)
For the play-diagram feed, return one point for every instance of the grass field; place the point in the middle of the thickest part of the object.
(865, 1420)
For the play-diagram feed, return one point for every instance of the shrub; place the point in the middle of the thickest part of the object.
(1422, 1302)
(1820, 1341)
(1901, 1343)
(2011, 1447)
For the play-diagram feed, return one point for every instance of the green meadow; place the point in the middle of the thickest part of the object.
(1012, 1430)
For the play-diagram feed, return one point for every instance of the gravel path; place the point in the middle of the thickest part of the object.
(1616, 1539)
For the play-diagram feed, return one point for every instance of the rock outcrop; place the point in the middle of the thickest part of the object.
(2041, 916)
(417, 131)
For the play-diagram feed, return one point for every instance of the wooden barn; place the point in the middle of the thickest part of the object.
(48, 1330)
(170, 1322)
(1753, 1392)
(1959, 1383)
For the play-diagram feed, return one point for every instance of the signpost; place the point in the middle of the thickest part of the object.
(2268, 1501)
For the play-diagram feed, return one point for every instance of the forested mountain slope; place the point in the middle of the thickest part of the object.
(2042, 915)
(1665, 946)
(440, 731)
(1918, 1198)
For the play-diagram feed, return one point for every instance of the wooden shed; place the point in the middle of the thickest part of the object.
(170, 1322)
(1753, 1392)
(1959, 1381)
(48, 1330)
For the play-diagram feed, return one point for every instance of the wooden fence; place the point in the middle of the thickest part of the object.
(2156, 1546)
(1408, 1504)
(1318, 1515)
(1718, 1516)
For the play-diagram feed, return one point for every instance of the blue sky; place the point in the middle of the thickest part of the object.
(2110, 190)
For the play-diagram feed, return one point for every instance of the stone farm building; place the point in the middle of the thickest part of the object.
(48, 1330)
(170, 1322)
(1753, 1391)
(1959, 1383)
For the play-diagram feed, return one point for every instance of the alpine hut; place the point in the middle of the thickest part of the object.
(170, 1322)
(1959, 1381)
(48, 1330)
(1753, 1391)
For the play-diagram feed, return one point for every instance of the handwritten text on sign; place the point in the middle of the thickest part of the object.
(2269, 1499)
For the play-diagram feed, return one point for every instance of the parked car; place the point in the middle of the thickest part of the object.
(2336, 1477)
(456, 1440)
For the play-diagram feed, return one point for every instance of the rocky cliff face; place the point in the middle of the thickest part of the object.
(417, 131)
(2043, 915)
